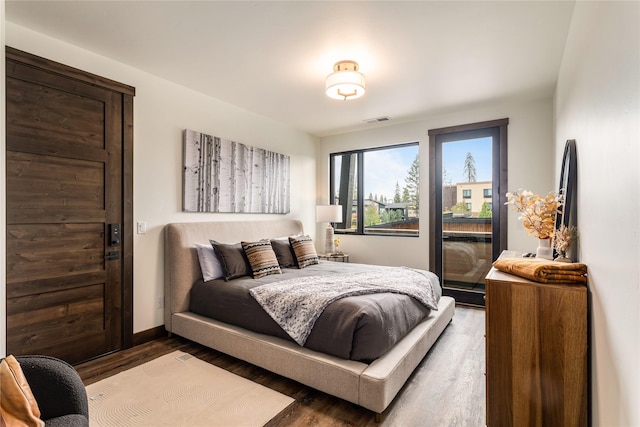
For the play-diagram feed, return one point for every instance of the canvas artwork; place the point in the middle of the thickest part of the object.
(225, 176)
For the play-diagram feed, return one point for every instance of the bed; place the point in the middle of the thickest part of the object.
(372, 384)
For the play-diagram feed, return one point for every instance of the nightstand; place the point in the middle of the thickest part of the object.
(335, 257)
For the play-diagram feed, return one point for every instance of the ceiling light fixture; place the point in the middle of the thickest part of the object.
(346, 82)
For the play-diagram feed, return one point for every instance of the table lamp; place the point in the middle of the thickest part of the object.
(329, 214)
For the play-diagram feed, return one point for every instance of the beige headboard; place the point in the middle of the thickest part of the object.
(181, 265)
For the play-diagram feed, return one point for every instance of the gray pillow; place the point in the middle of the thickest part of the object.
(233, 260)
(283, 251)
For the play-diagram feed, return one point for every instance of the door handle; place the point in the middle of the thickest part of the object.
(114, 234)
(112, 256)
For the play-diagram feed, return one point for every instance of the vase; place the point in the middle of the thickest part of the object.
(544, 250)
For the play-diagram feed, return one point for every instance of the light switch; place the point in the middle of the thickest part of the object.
(142, 227)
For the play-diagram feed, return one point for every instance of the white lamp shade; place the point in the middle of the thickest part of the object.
(345, 85)
(329, 213)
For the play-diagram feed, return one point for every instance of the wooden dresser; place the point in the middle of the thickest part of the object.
(536, 352)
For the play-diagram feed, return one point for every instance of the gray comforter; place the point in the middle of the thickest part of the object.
(361, 327)
(295, 304)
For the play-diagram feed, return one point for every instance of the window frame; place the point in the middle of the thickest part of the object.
(360, 168)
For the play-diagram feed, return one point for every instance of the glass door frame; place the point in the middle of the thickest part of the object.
(498, 130)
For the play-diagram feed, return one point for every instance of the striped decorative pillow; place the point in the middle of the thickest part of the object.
(304, 250)
(261, 257)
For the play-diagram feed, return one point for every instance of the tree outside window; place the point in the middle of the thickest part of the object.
(390, 176)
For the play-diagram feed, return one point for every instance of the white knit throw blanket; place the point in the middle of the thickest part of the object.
(296, 304)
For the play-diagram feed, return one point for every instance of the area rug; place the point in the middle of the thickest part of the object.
(181, 390)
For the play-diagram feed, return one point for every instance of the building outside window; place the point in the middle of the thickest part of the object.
(474, 193)
(487, 193)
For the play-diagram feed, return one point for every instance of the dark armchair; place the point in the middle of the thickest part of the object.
(58, 390)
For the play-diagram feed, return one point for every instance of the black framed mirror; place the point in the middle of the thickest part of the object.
(567, 187)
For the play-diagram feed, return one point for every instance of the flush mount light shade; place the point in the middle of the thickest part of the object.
(345, 82)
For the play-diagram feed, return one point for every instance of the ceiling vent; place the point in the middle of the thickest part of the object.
(378, 119)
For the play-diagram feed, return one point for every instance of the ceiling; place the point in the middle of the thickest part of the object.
(419, 57)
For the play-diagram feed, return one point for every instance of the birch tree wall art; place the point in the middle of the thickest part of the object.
(225, 176)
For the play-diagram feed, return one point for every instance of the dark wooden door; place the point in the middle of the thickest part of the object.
(67, 295)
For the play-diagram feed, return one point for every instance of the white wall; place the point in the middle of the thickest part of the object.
(597, 104)
(161, 111)
(530, 158)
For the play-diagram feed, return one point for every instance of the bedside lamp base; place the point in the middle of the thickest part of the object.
(329, 246)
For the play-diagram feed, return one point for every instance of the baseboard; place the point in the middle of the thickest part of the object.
(149, 335)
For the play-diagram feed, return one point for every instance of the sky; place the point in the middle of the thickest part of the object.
(454, 154)
(383, 168)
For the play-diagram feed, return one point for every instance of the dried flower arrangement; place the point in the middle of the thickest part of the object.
(537, 213)
(562, 240)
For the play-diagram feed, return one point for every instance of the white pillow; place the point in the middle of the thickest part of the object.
(209, 263)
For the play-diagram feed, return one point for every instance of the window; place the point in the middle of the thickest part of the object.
(486, 193)
(466, 194)
(379, 190)
(468, 206)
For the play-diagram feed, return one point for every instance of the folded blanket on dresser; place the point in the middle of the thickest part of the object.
(544, 271)
(297, 303)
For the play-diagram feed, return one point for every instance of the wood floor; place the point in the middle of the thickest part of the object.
(447, 388)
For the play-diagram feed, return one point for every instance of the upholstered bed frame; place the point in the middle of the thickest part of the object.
(372, 386)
